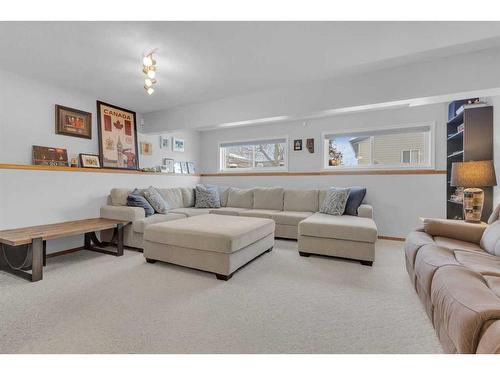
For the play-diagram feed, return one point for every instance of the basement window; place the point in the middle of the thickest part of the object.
(392, 148)
(256, 155)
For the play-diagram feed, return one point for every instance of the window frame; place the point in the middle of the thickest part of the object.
(253, 169)
(432, 148)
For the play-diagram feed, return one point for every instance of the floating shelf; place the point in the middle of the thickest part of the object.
(454, 135)
(455, 154)
(460, 203)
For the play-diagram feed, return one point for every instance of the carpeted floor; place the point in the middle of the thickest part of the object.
(280, 303)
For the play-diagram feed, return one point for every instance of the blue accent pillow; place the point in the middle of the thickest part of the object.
(356, 196)
(135, 199)
(207, 196)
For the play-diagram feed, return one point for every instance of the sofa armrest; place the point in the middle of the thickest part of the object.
(490, 341)
(365, 210)
(456, 229)
(123, 213)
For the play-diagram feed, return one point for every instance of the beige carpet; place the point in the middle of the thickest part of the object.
(280, 303)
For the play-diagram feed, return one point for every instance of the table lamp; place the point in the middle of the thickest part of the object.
(472, 175)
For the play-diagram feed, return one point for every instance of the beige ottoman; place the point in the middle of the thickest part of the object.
(215, 243)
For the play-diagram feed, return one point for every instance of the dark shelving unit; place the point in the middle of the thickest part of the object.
(474, 142)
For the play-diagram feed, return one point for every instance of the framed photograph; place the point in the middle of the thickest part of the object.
(177, 167)
(184, 167)
(190, 167)
(146, 148)
(73, 122)
(168, 165)
(297, 145)
(178, 145)
(89, 161)
(50, 156)
(164, 142)
(117, 137)
(310, 145)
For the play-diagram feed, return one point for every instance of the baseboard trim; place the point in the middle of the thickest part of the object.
(391, 238)
(64, 252)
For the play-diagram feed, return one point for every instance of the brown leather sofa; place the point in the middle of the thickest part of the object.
(455, 268)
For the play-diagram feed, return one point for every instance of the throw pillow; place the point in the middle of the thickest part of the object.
(155, 199)
(354, 200)
(207, 196)
(136, 200)
(335, 201)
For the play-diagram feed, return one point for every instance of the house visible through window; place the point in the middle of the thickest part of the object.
(263, 154)
(391, 148)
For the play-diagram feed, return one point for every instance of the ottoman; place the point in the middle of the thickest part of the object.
(215, 243)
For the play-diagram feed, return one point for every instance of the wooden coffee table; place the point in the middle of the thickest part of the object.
(32, 241)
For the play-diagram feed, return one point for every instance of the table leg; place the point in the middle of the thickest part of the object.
(91, 240)
(44, 253)
(119, 242)
(37, 259)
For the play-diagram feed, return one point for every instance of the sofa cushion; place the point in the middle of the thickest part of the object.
(457, 229)
(266, 214)
(140, 225)
(268, 198)
(156, 200)
(119, 197)
(453, 244)
(172, 197)
(351, 228)
(136, 200)
(335, 201)
(223, 194)
(290, 217)
(354, 200)
(300, 200)
(233, 211)
(190, 211)
(218, 233)
(490, 241)
(242, 198)
(207, 196)
(187, 196)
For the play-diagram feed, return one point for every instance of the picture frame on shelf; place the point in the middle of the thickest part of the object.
(177, 167)
(73, 122)
(89, 161)
(53, 156)
(184, 168)
(190, 167)
(117, 130)
(178, 144)
(168, 165)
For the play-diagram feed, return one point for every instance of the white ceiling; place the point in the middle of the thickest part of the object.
(202, 61)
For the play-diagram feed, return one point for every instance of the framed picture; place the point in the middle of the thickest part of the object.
(184, 167)
(73, 122)
(50, 156)
(117, 137)
(164, 141)
(178, 145)
(89, 161)
(297, 145)
(168, 165)
(190, 167)
(310, 145)
(146, 148)
(177, 167)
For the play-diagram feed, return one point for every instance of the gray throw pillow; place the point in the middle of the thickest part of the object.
(335, 201)
(155, 200)
(207, 196)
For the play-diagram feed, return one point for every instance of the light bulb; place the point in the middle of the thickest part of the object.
(147, 60)
(151, 74)
(150, 90)
(148, 82)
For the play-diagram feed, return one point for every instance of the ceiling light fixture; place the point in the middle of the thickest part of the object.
(149, 69)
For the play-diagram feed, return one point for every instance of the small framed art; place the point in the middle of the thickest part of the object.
(178, 145)
(73, 122)
(297, 145)
(89, 161)
(177, 167)
(190, 167)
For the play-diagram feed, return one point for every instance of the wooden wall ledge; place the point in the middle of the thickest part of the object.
(329, 173)
(87, 170)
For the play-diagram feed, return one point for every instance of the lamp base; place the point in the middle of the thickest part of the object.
(473, 205)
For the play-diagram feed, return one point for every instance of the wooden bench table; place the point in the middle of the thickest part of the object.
(33, 240)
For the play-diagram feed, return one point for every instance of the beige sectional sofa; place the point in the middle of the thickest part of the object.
(295, 213)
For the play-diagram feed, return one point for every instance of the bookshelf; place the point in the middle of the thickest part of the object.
(473, 142)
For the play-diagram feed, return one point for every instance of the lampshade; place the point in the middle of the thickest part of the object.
(473, 174)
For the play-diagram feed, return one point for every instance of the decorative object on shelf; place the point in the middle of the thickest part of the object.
(472, 175)
(164, 140)
(146, 148)
(297, 145)
(184, 168)
(73, 122)
(168, 165)
(50, 156)
(177, 167)
(151, 169)
(149, 70)
(74, 163)
(89, 161)
(117, 137)
(310, 145)
(178, 144)
(190, 166)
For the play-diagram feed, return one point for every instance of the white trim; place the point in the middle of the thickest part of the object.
(264, 169)
(432, 148)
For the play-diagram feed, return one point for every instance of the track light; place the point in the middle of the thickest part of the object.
(150, 90)
(149, 69)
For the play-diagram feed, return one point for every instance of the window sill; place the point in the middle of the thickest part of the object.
(330, 172)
